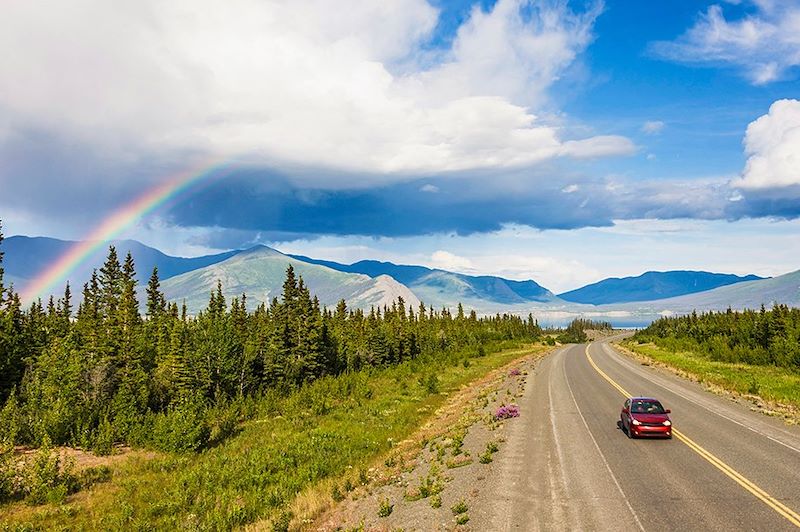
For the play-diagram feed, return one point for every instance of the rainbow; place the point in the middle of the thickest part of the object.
(56, 274)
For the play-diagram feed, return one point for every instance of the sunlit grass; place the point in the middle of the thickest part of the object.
(333, 429)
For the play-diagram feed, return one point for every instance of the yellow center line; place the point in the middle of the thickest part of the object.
(792, 516)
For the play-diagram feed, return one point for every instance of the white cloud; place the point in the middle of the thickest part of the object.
(772, 144)
(432, 189)
(343, 86)
(449, 261)
(569, 189)
(651, 157)
(765, 44)
(653, 127)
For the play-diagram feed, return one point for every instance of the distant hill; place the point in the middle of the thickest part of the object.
(784, 289)
(259, 272)
(651, 286)
(26, 257)
(443, 288)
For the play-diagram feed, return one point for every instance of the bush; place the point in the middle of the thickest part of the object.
(460, 507)
(46, 479)
(94, 475)
(182, 428)
(436, 501)
(430, 383)
(9, 484)
(385, 509)
(223, 425)
(10, 420)
(103, 441)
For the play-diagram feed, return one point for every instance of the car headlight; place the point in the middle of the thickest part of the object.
(636, 422)
(668, 423)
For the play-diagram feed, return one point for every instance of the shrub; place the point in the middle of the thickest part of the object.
(460, 507)
(46, 479)
(430, 383)
(9, 484)
(485, 458)
(462, 519)
(385, 509)
(94, 475)
(222, 425)
(10, 420)
(281, 524)
(336, 494)
(103, 440)
(182, 428)
(436, 501)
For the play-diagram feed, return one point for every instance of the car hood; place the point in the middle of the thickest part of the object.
(650, 418)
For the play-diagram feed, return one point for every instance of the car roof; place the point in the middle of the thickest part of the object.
(644, 399)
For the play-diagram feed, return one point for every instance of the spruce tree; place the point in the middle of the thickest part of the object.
(156, 303)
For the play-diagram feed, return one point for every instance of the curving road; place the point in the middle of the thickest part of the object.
(567, 466)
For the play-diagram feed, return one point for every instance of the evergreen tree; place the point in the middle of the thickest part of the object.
(156, 303)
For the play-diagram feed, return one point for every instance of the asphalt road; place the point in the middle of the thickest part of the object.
(567, 466)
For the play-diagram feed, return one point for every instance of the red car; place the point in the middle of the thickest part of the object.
(644, 416)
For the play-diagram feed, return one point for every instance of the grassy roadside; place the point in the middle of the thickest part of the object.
(334, 428)
(776, 390)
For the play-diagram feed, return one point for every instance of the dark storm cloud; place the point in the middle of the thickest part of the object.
(68, 184)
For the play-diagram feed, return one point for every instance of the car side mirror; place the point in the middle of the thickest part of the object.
(668, 411)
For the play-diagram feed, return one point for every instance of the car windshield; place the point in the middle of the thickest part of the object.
(647, 407)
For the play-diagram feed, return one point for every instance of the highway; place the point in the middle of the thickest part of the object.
(567, 466)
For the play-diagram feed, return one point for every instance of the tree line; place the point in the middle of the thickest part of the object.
(762, 337)
(106, 373)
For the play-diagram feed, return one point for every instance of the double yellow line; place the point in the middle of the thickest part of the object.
(792, 516)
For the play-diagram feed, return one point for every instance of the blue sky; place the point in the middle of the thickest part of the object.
(559, 141)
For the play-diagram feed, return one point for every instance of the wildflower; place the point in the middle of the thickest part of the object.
(507, 411)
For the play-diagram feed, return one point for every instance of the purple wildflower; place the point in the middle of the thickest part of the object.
(514, 372)
(507, 411)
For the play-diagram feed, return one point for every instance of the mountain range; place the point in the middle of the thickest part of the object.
(650, 286)
(259, 272)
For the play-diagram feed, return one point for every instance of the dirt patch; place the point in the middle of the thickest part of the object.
(430, 481)
(788, 413)
(84, 459)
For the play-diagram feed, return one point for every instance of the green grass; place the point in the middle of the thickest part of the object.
(332, 429)
(774, 384)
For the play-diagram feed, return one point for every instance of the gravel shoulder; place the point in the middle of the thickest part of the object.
(437, 480)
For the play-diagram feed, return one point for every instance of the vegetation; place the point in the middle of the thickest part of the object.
(761, 338)
(749, 352)
(308, 392)
(166, 380)
(575, 333)
(774, 384)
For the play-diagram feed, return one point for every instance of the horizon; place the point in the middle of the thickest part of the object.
(100, 253)
(559, 142)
